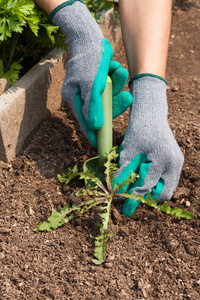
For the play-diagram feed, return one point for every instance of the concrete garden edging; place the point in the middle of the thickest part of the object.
(37, 95)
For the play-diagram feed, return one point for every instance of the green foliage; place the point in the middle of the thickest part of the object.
(25, 35)
(102, 197)
(164, 207)
(97, 6)
(100, 241)
(12, 75)
(15, 15)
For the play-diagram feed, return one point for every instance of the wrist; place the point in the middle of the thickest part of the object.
(149, 97)
(61, 5)
(146, 75)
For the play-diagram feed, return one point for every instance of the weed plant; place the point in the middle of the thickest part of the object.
(101, 196)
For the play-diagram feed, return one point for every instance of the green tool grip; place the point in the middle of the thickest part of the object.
(105, 134)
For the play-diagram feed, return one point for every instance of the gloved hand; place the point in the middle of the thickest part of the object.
(149, 147)
(90, 63)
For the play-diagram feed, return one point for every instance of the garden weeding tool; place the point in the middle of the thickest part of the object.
(95, 165)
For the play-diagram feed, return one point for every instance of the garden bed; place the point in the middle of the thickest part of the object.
(153, 255)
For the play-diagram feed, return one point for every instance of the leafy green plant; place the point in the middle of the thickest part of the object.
(101, 196)
(25, 35)
(97, 6)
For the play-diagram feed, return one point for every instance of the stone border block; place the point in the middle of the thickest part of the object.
(32, 99)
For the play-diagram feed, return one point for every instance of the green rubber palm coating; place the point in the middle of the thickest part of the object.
(105, 134)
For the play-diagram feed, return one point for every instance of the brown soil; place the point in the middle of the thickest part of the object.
(153, 255)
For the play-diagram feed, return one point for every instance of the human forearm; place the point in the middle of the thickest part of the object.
(146, 28)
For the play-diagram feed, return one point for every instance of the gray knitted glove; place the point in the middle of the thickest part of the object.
(90, 63)
(149, 147)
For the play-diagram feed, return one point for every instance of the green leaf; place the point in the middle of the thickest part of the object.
(13, 74)
(68, 176)
(33, 23)
(91, 177)
(130, 179)
(101, 248)
(65, 209)
(97, 262)
(14, 24)
(110, 166)
(100, 241)
(3, 2)
(151, 202)
(4, 30)
(176, 212)
(166, 208)
(60, 41)
(187, 215)
(50, 30)
(56, 219)
(15, 16)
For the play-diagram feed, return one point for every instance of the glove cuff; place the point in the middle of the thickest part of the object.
(79, 27)
(68, 2)
(144, 75)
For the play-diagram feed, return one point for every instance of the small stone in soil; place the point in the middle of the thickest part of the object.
(172, 245)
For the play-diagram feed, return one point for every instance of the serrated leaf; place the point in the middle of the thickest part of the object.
(14, 24)
(33, 23)
(50, 29)
(97, 262)
(68, 176)
(65, 209)
(4, 30)
(91, 177)
(151, 202)
(130, 179)
(176, 212)
(110, 166)
(12, 75)
(187, 215)
(166, 208)
(60, 41)
(55, 220)
(42, 226)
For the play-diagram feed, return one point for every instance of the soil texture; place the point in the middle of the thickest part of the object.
(152, 255)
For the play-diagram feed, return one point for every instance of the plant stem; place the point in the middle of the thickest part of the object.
(13, 47)
(29, 47)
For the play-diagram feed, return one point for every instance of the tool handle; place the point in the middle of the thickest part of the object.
(105, 134)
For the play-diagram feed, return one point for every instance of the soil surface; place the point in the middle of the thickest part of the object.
(152, 255)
